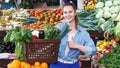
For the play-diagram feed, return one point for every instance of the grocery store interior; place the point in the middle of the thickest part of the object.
(101, 18)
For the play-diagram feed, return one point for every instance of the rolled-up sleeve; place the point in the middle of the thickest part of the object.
(90, 46)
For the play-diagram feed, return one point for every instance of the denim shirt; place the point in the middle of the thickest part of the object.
(81, 37)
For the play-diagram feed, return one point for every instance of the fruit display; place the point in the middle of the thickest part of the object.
(44, 16)
(22, 64)
(104, 47)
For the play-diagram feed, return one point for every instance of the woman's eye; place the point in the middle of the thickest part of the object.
(70, 11)
(65, 12)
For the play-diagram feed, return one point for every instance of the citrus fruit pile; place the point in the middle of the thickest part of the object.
(22, 64)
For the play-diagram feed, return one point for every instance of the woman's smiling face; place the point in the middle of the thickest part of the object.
(69, 13)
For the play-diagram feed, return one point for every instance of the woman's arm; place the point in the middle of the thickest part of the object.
(88, 48)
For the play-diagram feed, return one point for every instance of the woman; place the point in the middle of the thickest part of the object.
(76, 41)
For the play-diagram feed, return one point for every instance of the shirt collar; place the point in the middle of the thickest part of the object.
(79, 28)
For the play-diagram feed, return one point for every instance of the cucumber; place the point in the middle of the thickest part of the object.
(29, 21)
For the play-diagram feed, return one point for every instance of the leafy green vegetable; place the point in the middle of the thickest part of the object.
(19, 37)
(51, 32)
(7, 37)
(88, 20)
(15, 36)
(19, 51)
(64, 31)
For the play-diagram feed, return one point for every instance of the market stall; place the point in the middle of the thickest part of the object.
(102, 26)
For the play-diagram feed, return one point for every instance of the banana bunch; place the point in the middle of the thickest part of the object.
(102, 44)
(89, 4)
(104, 47)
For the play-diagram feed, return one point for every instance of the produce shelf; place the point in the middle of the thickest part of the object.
(96, 34)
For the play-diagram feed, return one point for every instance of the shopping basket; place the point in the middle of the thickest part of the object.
(41, 50)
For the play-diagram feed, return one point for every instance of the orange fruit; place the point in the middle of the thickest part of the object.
(32, 66)
(27, 65)
(38, 66)
(16, 61)
(44, 65)
(16, 64)
(9, 65)
(23, 64)
(37, 63)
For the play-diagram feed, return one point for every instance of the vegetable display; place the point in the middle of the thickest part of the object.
(111, 60)
(109, 16)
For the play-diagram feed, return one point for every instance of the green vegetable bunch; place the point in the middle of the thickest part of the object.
(19, 36)
(51, 32)
(111, 60)
(88, 20)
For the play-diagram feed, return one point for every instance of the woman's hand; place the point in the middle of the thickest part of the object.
(72, 44)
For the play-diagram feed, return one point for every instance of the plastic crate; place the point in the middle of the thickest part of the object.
(42, 50)
(5, 62)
